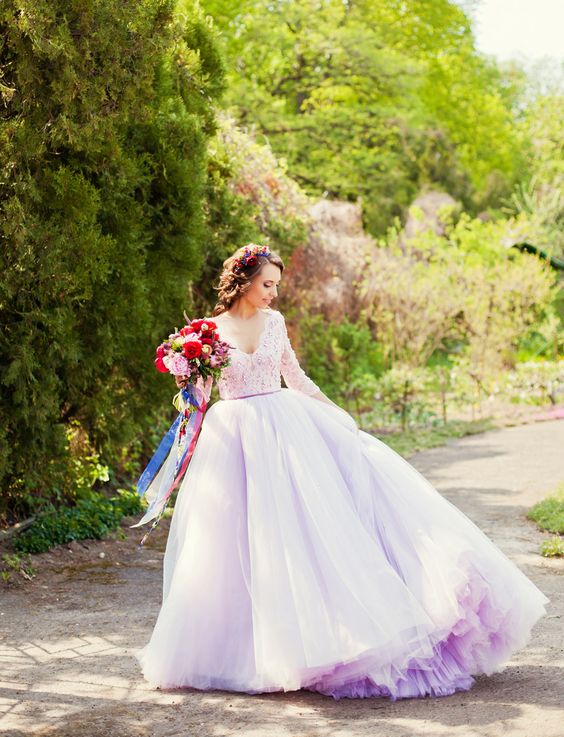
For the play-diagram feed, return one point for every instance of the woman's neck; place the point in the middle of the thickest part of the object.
(243, 311)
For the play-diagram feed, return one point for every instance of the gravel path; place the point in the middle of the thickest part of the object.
(67, 636)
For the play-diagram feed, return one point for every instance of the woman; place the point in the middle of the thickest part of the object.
(305, 553)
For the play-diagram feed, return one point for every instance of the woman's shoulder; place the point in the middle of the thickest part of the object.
(275, 315)
(215, 318)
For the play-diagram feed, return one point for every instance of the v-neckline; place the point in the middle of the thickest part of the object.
(261, 336)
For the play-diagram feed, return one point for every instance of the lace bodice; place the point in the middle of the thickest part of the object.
(260, 371)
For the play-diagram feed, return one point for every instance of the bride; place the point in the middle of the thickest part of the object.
(306, 553)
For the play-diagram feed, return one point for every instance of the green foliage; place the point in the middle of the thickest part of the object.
(545, 338)
(279, 207)
(463, 294)
(249, 198)
(107, 109)
(342, 358)
(73, 474)
(535, 382)
(413, 440)
(402, 393)
(442, 318)
(122, 191)
(553, 547)
(375, 99)
(18, 564)
(89, 518)
(541, 193)
(549, 513)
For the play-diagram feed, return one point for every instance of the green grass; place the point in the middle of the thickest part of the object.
(553, 547)
(20, 565)
(549, 516)
(411, 441)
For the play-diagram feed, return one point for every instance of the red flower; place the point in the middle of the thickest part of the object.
(192, 348)
(196, 325)
(160, 351)
(185, 330)
(251, 261)
(160, 365)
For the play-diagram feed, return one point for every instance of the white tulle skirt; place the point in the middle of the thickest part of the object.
(304, 553)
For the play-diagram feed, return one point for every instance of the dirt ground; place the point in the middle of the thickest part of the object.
(67, 636)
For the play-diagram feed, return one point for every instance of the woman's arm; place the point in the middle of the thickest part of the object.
(294, 375)
(296, 378)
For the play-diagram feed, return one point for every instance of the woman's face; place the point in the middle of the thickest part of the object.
(264, 286)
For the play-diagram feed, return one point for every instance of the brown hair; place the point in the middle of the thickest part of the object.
(233, 284)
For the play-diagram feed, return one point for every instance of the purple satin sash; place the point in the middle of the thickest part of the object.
(258, 394)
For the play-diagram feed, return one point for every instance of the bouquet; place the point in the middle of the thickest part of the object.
(196, 352)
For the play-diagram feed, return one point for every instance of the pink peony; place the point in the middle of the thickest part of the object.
(179, 365)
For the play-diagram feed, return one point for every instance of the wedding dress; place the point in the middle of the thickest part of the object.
(306, 553)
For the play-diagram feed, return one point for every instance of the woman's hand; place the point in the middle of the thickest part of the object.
(181, 380)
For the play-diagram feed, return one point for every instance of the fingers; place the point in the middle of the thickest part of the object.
(181, 381)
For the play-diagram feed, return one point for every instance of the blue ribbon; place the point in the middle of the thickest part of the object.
(151, 469)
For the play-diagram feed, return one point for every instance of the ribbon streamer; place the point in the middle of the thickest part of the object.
(170, 461)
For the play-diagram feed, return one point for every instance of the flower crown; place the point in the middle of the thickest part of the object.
(250, 256)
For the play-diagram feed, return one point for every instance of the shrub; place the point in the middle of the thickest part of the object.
(90, 518)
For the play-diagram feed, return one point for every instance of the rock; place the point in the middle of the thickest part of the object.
(423, 213)
(322, 272)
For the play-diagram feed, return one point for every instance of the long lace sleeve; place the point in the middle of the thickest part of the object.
(294, 375)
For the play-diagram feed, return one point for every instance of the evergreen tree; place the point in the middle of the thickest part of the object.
(107, 106)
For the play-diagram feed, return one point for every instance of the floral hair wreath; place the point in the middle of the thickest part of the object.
(250, 256)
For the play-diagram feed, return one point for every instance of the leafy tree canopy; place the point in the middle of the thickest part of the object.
(374, 98)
